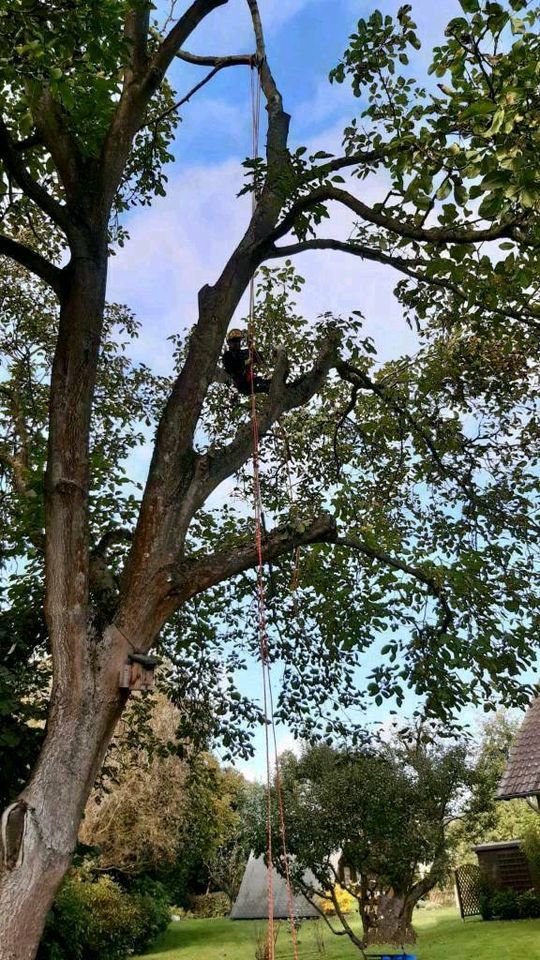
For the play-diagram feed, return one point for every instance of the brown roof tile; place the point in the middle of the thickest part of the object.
(522, 775)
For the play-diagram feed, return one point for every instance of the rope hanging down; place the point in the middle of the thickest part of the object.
(268, 704)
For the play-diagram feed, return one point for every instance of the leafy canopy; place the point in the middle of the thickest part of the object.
(429, 463)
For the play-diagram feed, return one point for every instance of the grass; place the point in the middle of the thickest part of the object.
(441, 936)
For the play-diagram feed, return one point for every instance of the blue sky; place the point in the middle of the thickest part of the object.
(183, 241)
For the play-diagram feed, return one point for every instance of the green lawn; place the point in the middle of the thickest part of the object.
(441, 936)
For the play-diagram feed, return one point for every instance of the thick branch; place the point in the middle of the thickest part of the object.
(405, 266)
(136, 32)
(282, 399)
(343, 920)
(60, 142)
(176, 481)
(395, 225)
(34, 191)
(277, 158)
(223, 564)
(32, 261)
(342, 246)
(314, 897)
(236, 60)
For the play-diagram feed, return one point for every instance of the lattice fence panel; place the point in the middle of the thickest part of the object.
(468, 879)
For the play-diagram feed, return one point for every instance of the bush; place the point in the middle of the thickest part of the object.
(97, 920)
(486, 905)
(505, 905)
(153, 913)
(346, 901)
(209, 905)
(528, 905)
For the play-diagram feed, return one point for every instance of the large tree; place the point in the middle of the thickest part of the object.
(175, 819)
(387, 814)
(423, 466)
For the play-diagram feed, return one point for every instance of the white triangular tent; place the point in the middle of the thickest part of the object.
(252, 900)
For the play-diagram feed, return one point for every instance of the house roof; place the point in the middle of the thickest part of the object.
(497, 845)
(522, 775)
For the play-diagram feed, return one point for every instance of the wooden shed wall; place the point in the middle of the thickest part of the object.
(507, 867)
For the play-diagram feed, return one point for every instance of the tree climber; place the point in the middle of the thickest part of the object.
(239, 362)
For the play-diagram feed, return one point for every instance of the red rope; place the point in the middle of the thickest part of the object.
(268, 705)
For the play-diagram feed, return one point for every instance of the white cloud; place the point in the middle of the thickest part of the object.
(176, 247)
(229, 28)
(184, 240)
(276, 14)
(326, 100)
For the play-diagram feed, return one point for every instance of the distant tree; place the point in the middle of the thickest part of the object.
(387, 815)
(228, 861)
(160, 814)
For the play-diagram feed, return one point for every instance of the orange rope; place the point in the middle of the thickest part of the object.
(268, 705)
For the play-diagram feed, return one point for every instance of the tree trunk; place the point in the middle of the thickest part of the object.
(39, 831)
(390, 921)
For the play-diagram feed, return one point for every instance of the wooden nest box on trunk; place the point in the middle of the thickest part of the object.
(138, 672)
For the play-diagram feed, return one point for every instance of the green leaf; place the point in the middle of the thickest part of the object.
(479, 109)
(444, 190)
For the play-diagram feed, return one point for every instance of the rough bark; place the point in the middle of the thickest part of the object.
(39, 831)
(392, 921)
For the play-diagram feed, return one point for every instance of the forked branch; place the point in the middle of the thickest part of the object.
(396, 225)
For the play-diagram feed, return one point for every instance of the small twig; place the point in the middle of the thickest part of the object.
(220, 64)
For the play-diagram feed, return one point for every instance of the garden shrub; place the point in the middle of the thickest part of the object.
(208, 905)
(486, 892)
(486, 905)
(505, 905)
(95, 919)
(346, 901)
(152, 912)
(529, 905)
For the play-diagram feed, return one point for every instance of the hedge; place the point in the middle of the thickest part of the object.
(509, 905)
(95, 919)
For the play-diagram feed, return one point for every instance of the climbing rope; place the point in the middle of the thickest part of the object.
(268, 703)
